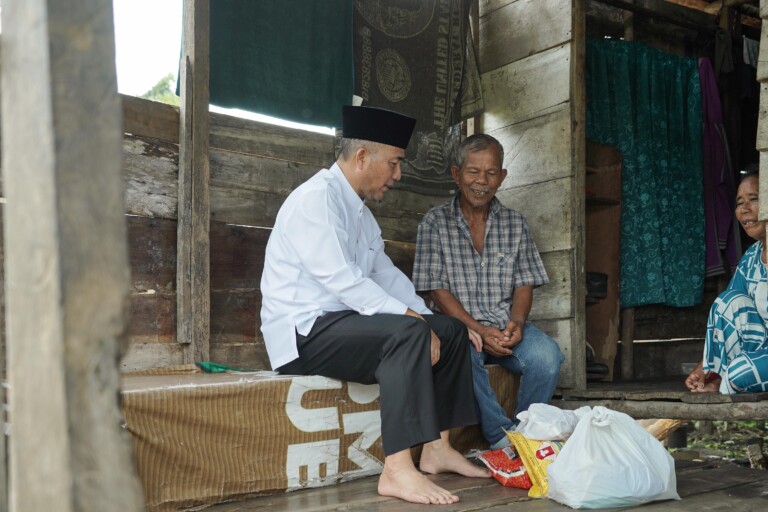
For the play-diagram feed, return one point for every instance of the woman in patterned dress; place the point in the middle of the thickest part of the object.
(736, 349)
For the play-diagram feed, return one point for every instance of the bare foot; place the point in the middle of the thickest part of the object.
(709, 387)
(439, 456)
(699, 382)
(401, 479)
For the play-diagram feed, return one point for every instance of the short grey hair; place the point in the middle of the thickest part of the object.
(476, 142)
(347, 147)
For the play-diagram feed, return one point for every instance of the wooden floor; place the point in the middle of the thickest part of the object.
(702, 487)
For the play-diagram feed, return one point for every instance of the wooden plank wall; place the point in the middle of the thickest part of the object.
(531, 62)
(253, 167)
(529, 52)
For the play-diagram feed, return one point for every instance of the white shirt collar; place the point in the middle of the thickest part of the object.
(354, 202)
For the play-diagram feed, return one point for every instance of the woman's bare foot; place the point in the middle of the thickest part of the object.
(698, 381)
(401, 479)
(712, 386)
(439, 456)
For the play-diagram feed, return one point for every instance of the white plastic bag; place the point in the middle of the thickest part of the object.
(610, 461)
(546, 422)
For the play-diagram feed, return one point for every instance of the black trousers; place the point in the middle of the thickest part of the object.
(418, 400)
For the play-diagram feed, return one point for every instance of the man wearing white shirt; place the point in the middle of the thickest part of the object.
(335, 305)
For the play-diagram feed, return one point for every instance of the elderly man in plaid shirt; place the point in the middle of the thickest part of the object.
(476, 260)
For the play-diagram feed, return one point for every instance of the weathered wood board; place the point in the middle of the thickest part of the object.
(762, 59)
(763, 183)
(247, 189)
(65, 259)
(762, 123)
(537, 150)
(514, 31)
(236, 262)
(547, 209)
(514, 93)
(562, 331)
(142, 356)
(486, 7)
(555, 299)
(150, 119)
(150, 174)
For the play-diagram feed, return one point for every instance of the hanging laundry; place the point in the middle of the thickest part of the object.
(417, 58)
(721, 234)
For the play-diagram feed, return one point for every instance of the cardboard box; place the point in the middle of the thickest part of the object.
(202, 439)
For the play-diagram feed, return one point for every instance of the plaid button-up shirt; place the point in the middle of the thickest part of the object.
(483, 283)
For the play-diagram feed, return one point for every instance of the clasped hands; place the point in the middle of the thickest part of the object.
(497, 342)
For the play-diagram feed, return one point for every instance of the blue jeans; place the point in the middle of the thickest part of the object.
(537, 359)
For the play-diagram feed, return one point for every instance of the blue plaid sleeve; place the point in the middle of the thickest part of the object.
(530, 269)
(429, 272)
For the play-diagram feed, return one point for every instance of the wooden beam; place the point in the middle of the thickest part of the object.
(194, 208)
(670, 12)
(578, 105)
(739, 411)
(66, 258)
(627, 343)
(473, 124)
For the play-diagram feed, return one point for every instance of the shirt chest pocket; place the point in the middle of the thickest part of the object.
(366, 254)
(502, 269)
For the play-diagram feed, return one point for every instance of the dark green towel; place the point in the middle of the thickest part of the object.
(290, 59)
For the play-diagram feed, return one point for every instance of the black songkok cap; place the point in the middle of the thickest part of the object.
(377, 125)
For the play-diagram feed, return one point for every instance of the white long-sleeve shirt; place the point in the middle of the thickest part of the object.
(326, 254)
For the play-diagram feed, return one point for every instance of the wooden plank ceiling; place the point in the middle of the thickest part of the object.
(749, 9)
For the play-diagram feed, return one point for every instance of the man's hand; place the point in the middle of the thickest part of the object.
(475, 339)
(495, 341)
(514, 332)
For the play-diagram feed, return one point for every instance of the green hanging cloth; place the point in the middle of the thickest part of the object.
(290, 59)
(647, 104)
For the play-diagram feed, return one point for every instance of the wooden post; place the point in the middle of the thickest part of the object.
(627, 343)
(578, 144)
(762, 122)
(67, 275)
(628, 315)
(474, 123)
(3, 374)
(193, 242)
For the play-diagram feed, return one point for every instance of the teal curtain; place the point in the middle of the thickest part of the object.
(647, 104)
